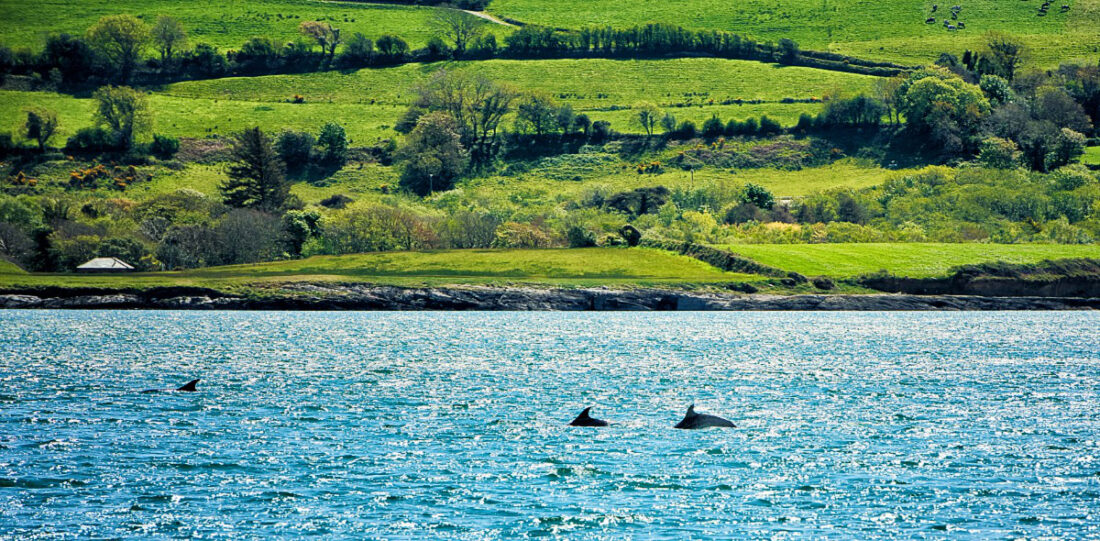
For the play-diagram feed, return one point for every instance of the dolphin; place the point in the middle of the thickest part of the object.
(695, 421)
(584, 420)
(189, 387)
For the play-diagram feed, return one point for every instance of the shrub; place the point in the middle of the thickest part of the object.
(601, 130)
(91, 140)
(713, 127)
(517, 235)
(997, 153)
(580, 237)
(164, 146)
(337, 201)
(757, 195)
(334, 141)
(630, 235)
(295, 148)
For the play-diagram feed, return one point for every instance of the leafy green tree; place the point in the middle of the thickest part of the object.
(757, 195)
(124, 111)
(358, 51)
(1005, 54)
(668, 123)
(537, 114)
(455, 25)
(256, 180)
(120, 39)
(392, 48)
(324, 34)
(169, 37)
(41, 125)
(300, 226)
(433, 154)
(998, 153)
(647, 115)
(939, 103)
(334, 140)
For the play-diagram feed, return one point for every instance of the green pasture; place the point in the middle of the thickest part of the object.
(587, 83)
(226, 24)
(856, 26)
(191, 117)
(1092, 156)
(577, 267)
(916, 260)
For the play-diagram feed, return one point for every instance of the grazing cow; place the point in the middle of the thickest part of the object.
(962, 25)
(930, 20)
(950, 27)
(935, 7)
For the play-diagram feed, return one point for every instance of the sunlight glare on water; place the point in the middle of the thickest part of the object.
(453, 425)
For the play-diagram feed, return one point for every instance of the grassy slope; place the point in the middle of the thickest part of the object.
(226, 24)
(6, 267)
(587, 84)
(590, 266)
(1092, 156)
(369, 101)
(903, 259)
(889, 29)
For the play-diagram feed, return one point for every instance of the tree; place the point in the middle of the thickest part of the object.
(939, 103)
(124, 111)
(392, 48)
(998, 153)
(71, 56)
(459, 27)
(334, 141)
(358, 51)
(536, 113)
(647, 116)
(788, 51)
(1006, 53)
(169, 37)
(120, 39)
(668, 123)
(324, 34)
(476, 104)
(256, 180)
(757, 195)
(433, 154)
(41, 125)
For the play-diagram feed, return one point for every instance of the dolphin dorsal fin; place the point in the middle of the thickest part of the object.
(691, 409)
(189, 387)
(584, 413)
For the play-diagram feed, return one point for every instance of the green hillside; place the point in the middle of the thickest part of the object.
(891, 29)
(225, 25)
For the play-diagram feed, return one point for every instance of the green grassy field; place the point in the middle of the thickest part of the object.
(369, 101)
(1092, 156)
(225, 25)
(587, 84)
(890, 29)
(582, 267)
(915, 260)
(6, 267)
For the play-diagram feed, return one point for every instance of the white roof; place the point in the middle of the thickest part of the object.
(103, 263)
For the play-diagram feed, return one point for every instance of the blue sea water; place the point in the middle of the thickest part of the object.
(453, 425)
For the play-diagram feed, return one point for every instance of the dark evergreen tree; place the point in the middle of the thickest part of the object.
(257, 179)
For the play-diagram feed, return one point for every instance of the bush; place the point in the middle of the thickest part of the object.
(517, 235)
(713, 127)
(295, 148)
(91, 140)
(997, 153)
(601, 130)
(631, 235)
(337, 201)
(757, 195)
(580, 237)
(334, 141)
(164, 146)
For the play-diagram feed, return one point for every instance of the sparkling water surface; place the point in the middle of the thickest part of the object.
(453, 425)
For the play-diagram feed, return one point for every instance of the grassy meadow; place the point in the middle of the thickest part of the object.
(225, 25)
(890, 30)
(1092, 156)
(369, 101)
(916, 260)
(577, 267)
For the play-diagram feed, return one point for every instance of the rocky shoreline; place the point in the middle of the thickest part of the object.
(328, 297)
